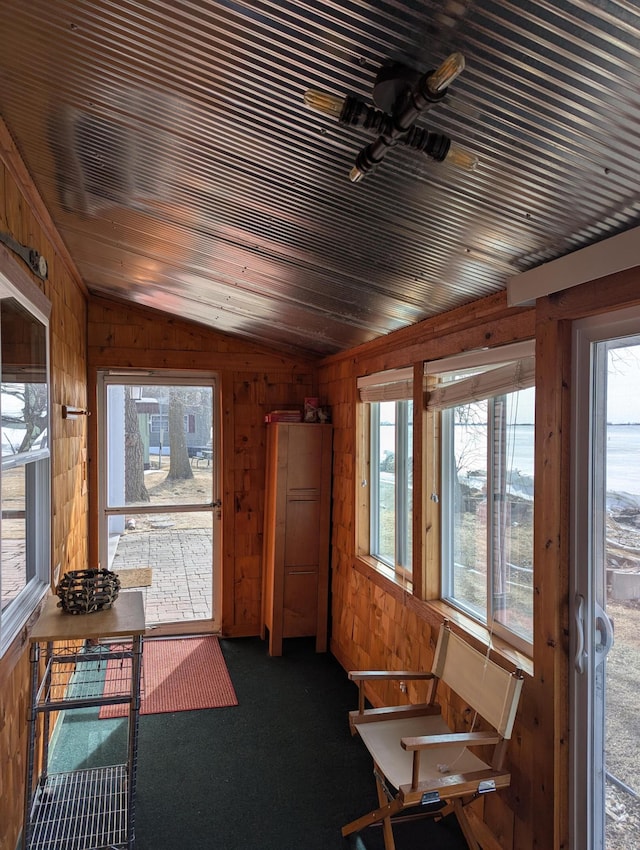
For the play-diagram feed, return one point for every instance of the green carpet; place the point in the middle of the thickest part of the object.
(279, 771)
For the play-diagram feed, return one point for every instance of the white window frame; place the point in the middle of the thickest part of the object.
(491, 373)
(14, 283)
(394, 386)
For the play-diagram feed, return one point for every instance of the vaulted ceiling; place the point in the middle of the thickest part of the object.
(172, 146)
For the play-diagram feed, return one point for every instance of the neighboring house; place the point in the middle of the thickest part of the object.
(197, 428)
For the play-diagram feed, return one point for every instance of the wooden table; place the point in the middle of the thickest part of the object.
(125, 618)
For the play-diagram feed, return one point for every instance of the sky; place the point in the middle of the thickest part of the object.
(623, 385)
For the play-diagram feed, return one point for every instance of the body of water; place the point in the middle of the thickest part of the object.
(623, 458)
(623, 453)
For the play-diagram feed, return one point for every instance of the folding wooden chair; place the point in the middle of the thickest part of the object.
(418, 760)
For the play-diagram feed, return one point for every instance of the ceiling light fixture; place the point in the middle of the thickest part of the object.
(401, 95)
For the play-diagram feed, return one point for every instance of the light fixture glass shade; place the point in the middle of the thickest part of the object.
(328, 104)
(355, 175)
(443, 76)
(461, 158)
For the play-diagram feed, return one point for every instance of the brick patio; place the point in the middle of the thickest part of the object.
(181, 562)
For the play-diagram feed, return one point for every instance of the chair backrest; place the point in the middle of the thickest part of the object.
(488, 688)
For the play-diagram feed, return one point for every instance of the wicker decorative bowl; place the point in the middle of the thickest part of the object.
(86, 591)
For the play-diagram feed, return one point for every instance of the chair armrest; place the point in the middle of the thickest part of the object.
(361, 677)
(393, 712)
(470, 739)
(389, 675)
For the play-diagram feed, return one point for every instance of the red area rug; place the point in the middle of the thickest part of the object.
(181, 674)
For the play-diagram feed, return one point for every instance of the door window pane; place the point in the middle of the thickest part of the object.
(169, 557)
(619, 675)
(160, 448)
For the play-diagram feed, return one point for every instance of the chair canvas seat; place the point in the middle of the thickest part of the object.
(383, 742)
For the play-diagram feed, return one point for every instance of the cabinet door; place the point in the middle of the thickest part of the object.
(304, 471)
(302, 544)
(300, 602)
(301, 560)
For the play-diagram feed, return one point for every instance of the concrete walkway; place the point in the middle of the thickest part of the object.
(181, 563)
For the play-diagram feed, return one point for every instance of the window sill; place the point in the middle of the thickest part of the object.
(19, 611)
(374, 568)
(436, 611)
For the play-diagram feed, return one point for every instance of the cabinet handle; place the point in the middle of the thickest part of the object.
(301, 572)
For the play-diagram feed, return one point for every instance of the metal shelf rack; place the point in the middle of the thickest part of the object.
(90, 809)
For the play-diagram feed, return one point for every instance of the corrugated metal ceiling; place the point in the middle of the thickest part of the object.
(172, 146)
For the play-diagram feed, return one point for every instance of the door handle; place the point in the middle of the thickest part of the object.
(603, 633)
(581, 655)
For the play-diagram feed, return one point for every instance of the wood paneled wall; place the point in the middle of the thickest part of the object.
(254, 380)
(24, 216)
(376, 624)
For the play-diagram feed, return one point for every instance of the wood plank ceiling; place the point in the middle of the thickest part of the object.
(172, 146)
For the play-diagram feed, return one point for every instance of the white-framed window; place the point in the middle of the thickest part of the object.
(389, 488)
(486, 406)
(25, 476)
(159, 423)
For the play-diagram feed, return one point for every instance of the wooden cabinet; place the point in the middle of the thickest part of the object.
(295, 587)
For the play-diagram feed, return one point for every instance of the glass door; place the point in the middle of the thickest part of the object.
(606, 583)
(160, 507)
